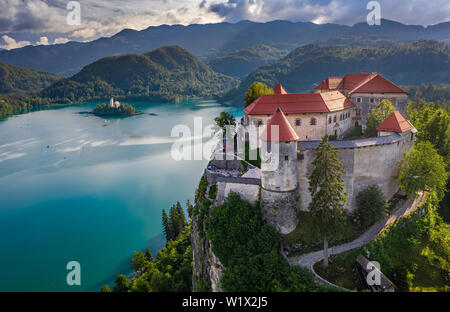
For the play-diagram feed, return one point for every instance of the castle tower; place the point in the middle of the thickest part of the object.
(279, 177)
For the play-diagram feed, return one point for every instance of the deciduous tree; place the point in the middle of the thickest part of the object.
(255, 91)
(377, 116)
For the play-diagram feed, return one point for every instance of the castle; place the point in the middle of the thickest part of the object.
(301, 120)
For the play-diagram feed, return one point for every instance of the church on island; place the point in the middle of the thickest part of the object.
(112, 103)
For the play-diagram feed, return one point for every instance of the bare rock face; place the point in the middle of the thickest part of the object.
(207, 269)
(280, 210)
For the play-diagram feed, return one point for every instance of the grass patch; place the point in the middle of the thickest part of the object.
(305, 235)
(340, 270)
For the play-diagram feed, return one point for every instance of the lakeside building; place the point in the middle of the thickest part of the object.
(311, 115)
(366, 90)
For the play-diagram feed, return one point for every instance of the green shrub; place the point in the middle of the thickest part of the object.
(212, 194)
(370, 206)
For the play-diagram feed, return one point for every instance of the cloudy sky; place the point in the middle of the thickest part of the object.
(24, 22)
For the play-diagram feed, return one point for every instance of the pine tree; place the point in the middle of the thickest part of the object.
(166, 225)
(174, 218)
(327, 194)
(182, 217)
(122, 284)
(148, 255)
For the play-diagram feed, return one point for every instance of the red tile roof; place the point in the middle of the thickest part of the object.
(279, 89)
(361, 83)
(299, 103)
(377, 83)
(395, 123)
(285, 131)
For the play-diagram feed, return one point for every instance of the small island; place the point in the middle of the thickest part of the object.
(115, 108)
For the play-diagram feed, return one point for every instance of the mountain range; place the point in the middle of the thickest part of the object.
(207, 41)
(414, 63)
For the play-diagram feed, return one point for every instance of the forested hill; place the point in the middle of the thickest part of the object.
(14, 79)
(210, 40)
(164, 74)
(425, 61)
(241, 62)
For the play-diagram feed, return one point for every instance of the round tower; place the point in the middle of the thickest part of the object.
(279, 176)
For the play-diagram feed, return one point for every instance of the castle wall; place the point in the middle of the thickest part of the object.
(279, 183)
(280, 174)
(365, 162)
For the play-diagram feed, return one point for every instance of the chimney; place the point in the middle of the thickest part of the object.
(364, 72)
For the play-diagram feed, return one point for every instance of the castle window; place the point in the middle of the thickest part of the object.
(358, 100)
(298, 122)
(329, 119)
(358, 112)
(372, 100)
(286, 157)
(313, 121)
(259, 123)
(334, 118)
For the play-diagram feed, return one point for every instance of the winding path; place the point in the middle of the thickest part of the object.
(404, 208)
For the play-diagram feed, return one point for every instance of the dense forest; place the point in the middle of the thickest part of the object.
(414, 63)
(440, 94)
(164, 74)
(241, 62)
(14, 79)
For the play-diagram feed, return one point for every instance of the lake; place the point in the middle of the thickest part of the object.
(76, 187)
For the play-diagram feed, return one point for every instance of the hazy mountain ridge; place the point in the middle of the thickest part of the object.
(208, 40)
(425, 61)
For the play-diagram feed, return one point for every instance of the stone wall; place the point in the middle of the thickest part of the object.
(366, 162)
(365, 105)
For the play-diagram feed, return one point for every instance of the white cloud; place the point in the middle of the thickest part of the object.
(11, 43)
(42, 41)
(107, 17)
(60, 40)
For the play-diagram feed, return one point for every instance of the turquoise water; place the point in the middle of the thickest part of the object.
(76, 187)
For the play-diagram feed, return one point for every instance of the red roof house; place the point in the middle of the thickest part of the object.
(396, 123)
(285, 131)
(324, 102)
(360, 83)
